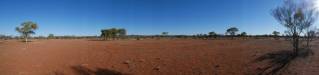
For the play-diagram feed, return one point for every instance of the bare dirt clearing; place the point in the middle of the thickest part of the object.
(144, 57)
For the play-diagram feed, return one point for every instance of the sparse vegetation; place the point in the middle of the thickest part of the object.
(174, 38)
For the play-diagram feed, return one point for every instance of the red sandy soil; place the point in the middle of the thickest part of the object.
(143, 57)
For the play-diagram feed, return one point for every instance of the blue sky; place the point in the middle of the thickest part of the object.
(88, 17)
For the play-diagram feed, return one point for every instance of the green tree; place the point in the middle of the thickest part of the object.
(105, 34)
(122, 32)
(113, 33)
(232, 31)
(26, 29)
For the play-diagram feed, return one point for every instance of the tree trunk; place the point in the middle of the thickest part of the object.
(297, 46)
(295, 38)
(26, 39)
(309, 38)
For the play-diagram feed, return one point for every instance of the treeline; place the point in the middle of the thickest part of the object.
(5, 37)
(121, 33)
(166, 36)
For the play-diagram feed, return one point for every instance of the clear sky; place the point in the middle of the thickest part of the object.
(88, 17)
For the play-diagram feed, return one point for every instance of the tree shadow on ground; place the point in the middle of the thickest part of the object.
(80, 70)
(97, 40)
(58, 73)
(25, 41)
(277, 62)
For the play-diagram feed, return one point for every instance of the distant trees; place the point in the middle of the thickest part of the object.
(310, 35)
(232, 31)
(113, 33)
(212, 34)
(164, 33)
(122, 33)
(243, 34)
(275, 34)
(26, 29)
(5, 37)
(296, 18)
(51, 36)
(74, 37)
(317, 34)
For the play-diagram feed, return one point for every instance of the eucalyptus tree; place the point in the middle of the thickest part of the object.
(113, 33)
(296, 17)
(26, 29)
(122, 32)
(232, 31)
(105, 34)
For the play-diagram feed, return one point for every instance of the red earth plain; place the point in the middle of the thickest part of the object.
(144, 57)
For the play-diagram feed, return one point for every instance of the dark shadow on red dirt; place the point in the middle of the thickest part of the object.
(80, 70)
(97, 40)
(277, 62)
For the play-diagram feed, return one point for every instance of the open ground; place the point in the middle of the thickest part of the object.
(142, 57)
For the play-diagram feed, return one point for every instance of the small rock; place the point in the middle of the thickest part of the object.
(254, 55)
(158, 58)
(112, 66)
(127, 62)
(156, 68)
(259, 68)
(84, 65)
(217, 66)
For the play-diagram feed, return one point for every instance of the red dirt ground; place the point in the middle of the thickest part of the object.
(144, 57)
